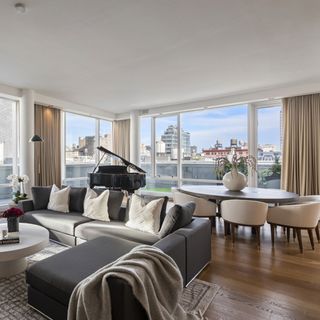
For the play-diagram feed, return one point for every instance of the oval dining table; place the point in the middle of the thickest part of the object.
(220, 193)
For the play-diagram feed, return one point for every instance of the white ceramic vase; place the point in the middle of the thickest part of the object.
(234, 180)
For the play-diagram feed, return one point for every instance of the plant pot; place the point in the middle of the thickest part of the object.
(13, 224)
(234, 180)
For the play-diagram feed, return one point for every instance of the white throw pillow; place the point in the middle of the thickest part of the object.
(96, 207)
(145, 217)
(59, 199)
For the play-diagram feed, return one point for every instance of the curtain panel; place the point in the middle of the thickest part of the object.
(47, 154)
(301, 145)
(121, 138)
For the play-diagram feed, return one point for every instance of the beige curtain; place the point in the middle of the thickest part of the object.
(301, 145)
(47, 154)
(121, 138)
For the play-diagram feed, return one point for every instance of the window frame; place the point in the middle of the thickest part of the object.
(16, 141)
(63, 144)
(252, 134)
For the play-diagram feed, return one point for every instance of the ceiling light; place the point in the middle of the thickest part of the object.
(20, 7)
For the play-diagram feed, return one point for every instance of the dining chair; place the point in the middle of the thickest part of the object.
(307, 199)
(244, 213)
(297, 216)
(204, 208)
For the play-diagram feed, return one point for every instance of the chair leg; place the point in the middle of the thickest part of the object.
(288, 234)
(311, 238)
(299, 239)
(272, 234)
(317, 233)
(258, 236)
(213, 222)
(294, 233)
(225, 223)
(233, 231)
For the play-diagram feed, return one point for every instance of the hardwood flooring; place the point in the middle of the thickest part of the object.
(279, 283)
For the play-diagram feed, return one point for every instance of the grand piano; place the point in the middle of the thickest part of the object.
(117, 177)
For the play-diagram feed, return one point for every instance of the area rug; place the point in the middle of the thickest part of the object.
(13, 292)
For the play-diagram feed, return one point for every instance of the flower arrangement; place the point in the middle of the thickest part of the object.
(234, 163)
(12, 212)
(18, 183)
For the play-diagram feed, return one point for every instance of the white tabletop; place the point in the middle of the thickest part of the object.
(33, 238)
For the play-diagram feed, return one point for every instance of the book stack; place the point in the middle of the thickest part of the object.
(9, 238)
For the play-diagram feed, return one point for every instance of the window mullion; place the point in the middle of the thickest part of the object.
(153, 148)
(179, 168)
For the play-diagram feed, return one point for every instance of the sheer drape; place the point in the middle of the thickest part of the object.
(121, 138)
(47, 154)
(301, 144)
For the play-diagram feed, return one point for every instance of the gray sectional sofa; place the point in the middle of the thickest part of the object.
(96, 243)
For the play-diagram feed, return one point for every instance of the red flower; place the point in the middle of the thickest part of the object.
(12, 212)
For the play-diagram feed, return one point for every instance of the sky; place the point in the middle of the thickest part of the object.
(207, 126)
(81, 126)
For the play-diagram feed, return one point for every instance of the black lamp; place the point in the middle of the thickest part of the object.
(35, 138)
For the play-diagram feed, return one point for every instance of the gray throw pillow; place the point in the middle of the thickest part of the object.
(177, 217)
(40, 196)
(114, 202)
(76, 199)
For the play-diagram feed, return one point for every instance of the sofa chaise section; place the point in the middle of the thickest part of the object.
(51, 281)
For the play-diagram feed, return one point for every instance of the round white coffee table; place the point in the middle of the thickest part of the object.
(33, 238)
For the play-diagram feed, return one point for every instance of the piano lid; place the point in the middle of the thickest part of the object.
(124, 161)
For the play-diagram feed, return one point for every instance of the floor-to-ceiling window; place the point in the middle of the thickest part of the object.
(82, 135)
(269, 156)
(8, 145)
(208, 135)
(183, 148)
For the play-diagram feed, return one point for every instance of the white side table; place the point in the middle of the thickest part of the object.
(33, 238)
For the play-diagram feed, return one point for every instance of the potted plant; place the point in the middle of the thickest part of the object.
(12, 215)
(18, 187)
(230, 167)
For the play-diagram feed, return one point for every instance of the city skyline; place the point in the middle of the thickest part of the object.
(205, 126)
(223, 124)
(83, 126)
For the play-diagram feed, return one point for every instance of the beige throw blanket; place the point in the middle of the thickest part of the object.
(155, 280)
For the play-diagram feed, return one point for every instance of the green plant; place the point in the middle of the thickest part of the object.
(272, 173)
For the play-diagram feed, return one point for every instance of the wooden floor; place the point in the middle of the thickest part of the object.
(277, 283)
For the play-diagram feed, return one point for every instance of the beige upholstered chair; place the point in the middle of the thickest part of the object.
(244, 213)
(204, 208)
(306, 199)
(296, 216)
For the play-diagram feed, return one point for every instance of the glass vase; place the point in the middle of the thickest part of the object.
(13, 224)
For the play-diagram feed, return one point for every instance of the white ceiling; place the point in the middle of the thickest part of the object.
(127, 54)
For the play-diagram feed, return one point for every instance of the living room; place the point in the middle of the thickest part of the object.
(180, 134)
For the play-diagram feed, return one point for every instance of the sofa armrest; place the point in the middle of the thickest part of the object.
(26, 205)
(174, 246)
(197, 237)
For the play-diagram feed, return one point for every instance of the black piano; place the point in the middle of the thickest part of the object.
(117, 177)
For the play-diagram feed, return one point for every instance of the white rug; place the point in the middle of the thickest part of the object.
(13, 292)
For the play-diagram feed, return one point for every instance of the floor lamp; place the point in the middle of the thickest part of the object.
(36, 139)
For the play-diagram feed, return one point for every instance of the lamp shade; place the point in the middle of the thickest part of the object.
(35, 138)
